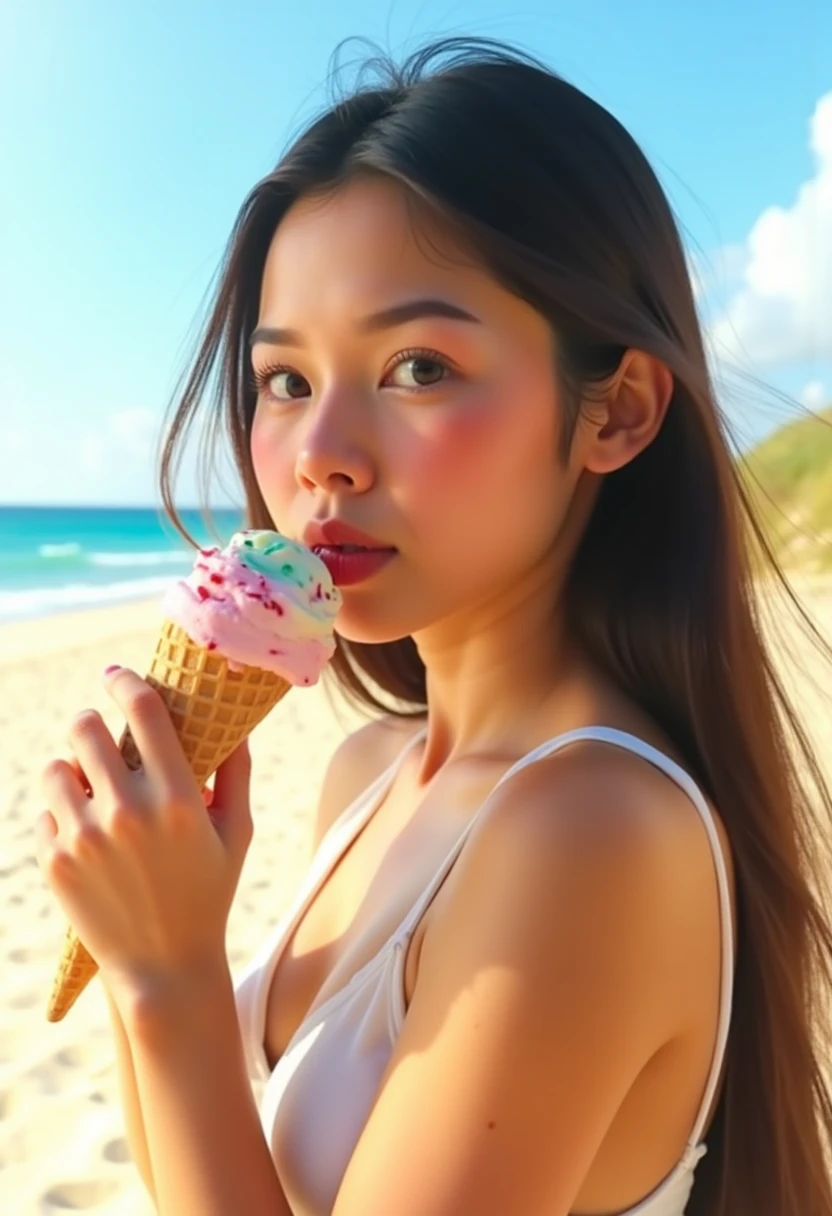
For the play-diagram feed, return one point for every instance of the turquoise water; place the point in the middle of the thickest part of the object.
(57, 559)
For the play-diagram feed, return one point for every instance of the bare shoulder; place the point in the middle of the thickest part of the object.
(357, 762)
(595, 797)
(597, 838)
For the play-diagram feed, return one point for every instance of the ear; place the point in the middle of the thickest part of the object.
(632, 413)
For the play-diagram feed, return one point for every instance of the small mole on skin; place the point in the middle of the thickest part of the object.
(491, 1125)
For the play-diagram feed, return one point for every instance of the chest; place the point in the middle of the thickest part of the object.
(364, 899)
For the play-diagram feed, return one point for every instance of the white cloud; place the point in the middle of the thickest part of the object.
(782, 313)
(814, 395)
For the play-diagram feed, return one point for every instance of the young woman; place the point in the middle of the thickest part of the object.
(560, 947)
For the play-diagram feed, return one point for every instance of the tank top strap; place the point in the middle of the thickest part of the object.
(631, 743)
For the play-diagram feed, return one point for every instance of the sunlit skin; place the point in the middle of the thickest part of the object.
(457, 467)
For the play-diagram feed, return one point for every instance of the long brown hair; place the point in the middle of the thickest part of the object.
(558, 202)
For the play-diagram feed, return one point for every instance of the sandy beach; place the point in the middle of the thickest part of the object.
(62, 1142)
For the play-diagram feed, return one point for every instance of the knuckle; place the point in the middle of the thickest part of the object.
(180, 811)
(125, 819)
(54, 771)
(85, 724)
(89, 839)
(143, 703)
(60, 863)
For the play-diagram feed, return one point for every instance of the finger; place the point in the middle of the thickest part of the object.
(75, 764)
(101, 766)
(64, 794)
(231, 813)
(151, 727)
(45, 833)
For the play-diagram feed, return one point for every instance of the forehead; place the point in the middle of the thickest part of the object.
(363, 241)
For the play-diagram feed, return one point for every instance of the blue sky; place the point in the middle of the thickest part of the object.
(130, 134)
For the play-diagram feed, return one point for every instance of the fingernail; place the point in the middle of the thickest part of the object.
(113, 667)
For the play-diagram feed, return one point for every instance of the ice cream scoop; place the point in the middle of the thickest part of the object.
(263, 601)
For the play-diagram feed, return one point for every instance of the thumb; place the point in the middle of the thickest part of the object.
(230, 809)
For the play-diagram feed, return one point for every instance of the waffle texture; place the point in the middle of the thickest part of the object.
(213, 710)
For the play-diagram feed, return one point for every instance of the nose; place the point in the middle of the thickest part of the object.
(332, 454)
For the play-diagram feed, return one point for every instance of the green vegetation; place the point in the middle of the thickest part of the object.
(789, 476)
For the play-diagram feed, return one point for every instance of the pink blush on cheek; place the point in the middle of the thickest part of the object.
(462, 449)
(269, 462)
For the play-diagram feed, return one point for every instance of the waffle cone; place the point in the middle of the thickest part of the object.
(213, 710)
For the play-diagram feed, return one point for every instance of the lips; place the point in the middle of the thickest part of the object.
(338, 534)
(349, 565)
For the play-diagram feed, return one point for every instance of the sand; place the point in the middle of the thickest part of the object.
(62, 1142)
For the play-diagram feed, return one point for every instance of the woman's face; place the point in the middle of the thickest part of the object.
(436, 435)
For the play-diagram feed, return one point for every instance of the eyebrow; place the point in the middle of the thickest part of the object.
(399, 314)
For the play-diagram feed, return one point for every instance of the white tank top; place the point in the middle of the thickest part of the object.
(315, 1103)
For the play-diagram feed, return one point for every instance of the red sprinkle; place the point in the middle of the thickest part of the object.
(275, 652)
(217, 578)
(202, 592)
(211, 646)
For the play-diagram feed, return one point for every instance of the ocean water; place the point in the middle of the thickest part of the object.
(58, 559)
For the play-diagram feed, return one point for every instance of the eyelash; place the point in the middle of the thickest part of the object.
(259, 379)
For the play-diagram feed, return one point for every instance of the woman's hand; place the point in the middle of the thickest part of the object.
(145, 875)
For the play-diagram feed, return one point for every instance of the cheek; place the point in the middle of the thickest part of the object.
(476, 458)
(267, 459)
(456, 453)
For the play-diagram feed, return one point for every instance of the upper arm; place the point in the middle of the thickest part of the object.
(541, 1000)
(356, 762)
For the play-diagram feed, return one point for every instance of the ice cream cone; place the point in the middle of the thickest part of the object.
(248, 623)
(213, 709)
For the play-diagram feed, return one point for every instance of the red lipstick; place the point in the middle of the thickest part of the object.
(350, 555)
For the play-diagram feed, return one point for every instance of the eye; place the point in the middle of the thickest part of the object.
(262, 382)
(424, 365)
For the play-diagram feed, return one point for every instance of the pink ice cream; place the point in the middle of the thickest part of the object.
(263, 601)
